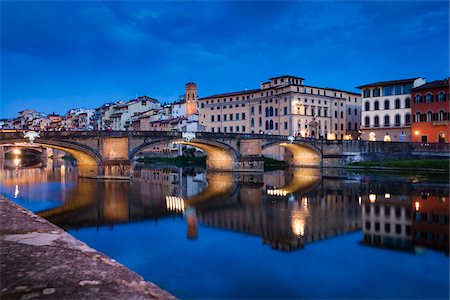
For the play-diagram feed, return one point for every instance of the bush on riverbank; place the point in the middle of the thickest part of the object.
(411, 164)
(274, 164)
(173, 160)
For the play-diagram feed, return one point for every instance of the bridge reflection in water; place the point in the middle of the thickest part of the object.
(287, 209)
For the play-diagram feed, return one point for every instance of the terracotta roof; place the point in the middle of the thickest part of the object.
(290, 76)
(232, 94)
(434, 84)
(391, 82)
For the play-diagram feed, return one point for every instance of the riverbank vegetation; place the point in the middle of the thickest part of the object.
(410, 164)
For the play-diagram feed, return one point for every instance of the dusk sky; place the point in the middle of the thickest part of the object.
(61, 55)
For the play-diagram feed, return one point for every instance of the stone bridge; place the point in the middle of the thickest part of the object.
(102, 154)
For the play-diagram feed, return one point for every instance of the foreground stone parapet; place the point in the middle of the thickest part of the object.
(40, 260)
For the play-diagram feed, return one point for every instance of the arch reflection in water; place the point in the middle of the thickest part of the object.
(315, 207)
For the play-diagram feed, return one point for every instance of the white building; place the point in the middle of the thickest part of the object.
(122, 113)
(386, 110)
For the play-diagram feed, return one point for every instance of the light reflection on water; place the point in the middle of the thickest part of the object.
(187, 229)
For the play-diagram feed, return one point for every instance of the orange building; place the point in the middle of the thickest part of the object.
(191, 98)
(430, 110)
(431, 218)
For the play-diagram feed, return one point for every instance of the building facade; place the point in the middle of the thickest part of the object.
(386, 110)
(285, 106)
(430, 111)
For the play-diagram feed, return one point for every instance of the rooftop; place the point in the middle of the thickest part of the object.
(434, 84)
(391, 82)
(284, 76)
(232, 94)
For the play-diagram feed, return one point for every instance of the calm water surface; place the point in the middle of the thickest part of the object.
(296, 233)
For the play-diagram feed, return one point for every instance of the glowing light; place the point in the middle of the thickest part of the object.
(387, 138)
(417, 132)
(417, 205)
(372, 198)
(16, 192)
(16, 162)
(387, 196)
(372, 137)
(359, 200)
(175, 203)
(17, 151)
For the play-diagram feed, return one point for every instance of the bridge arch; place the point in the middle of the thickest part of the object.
(88, 160)
(220, 156)
(303, 154)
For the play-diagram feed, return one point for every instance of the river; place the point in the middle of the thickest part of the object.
(296, 233)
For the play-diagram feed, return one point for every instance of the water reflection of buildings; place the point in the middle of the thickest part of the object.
(399, 219)
(287, 209)
(297, 208)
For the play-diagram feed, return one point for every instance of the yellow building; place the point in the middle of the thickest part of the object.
(283, 106)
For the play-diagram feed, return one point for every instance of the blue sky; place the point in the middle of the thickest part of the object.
(61, 55)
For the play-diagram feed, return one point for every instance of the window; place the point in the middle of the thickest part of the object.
(231, 117)
(366, 93)
(267, 125)
(386, 104)
(376, 92)
(276, 112)
(335, 126)
(349, 126)
(387, 121)
(376, 121)
(243, 116)
(349, 111)
(285, 125)
(397, 103)
(388, 91)
(271, 111)
(285, 110)
(407, 119)
(342, 114)
(417, 117)
(224, 118)
(418, 98)
(429, 116)
(260, 122)
(237, 116)
(356, 111)
(237, 128)
(260, 109)
(429, 98)
(231, 128)
(408, 102)
(441, 97)
(225, 129)
(441, 115)
(376, 105)
(336, 114)
(271, 124)
(212, 129)
(267, 112)
(397, 120)
(203, 105)
(366, 121)
(212, 118)
(252, 122)
(252, 110)
(325, 111)
(218, 119)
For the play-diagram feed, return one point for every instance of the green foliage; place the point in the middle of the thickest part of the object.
(413, 164)
(179, 160)
(273, 164)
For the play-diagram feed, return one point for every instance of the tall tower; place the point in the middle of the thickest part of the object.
(191, 98)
